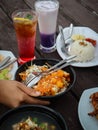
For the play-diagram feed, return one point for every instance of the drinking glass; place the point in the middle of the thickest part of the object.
(47, 20)
(25, 22)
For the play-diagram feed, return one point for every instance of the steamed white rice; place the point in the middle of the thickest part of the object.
(83, 50)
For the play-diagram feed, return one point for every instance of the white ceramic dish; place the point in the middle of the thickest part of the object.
(88, 33)
(15, 65)
(84, 107)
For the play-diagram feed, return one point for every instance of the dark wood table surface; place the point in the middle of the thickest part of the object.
(78, 12)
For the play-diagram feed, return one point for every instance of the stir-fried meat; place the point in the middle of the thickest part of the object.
(94, 101)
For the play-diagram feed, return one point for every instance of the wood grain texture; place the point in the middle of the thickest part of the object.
(78, 12)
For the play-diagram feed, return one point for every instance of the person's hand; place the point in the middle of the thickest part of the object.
(13, 94)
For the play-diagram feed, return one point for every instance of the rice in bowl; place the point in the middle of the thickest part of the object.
(84, 50)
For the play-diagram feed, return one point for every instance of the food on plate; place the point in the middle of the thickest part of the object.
(5, 73)
(33, 124)
(91, 41)
(32, 69)
(94, 102)
(50, 84)
(1, 57)
(53, 83)
(76, 37)
(84, 50)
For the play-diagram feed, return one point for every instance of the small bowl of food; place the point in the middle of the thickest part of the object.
(32, 117)
(52, 85)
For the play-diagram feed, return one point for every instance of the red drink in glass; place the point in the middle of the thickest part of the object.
(25, 22)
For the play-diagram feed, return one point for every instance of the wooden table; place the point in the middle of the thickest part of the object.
(78, 12)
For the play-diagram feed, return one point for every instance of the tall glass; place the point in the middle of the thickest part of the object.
(25, 22)
(47, 19)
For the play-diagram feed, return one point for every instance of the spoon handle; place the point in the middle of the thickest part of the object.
(61, 32)
(70, 29)
(3, 62)
(61, 62)
(9, 63)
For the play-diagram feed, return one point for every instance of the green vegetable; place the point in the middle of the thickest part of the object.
(44, 126)
(3, 74)
(35, 120)
(29, 16)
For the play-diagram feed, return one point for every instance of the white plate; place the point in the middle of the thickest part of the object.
(88, 33)
(15, 65)
(84, 107)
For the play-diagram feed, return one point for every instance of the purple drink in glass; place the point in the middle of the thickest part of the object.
(47, 18)
(47, 40)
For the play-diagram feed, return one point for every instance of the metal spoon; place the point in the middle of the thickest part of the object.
(65, 47)
(4, 61)
(8, 63)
